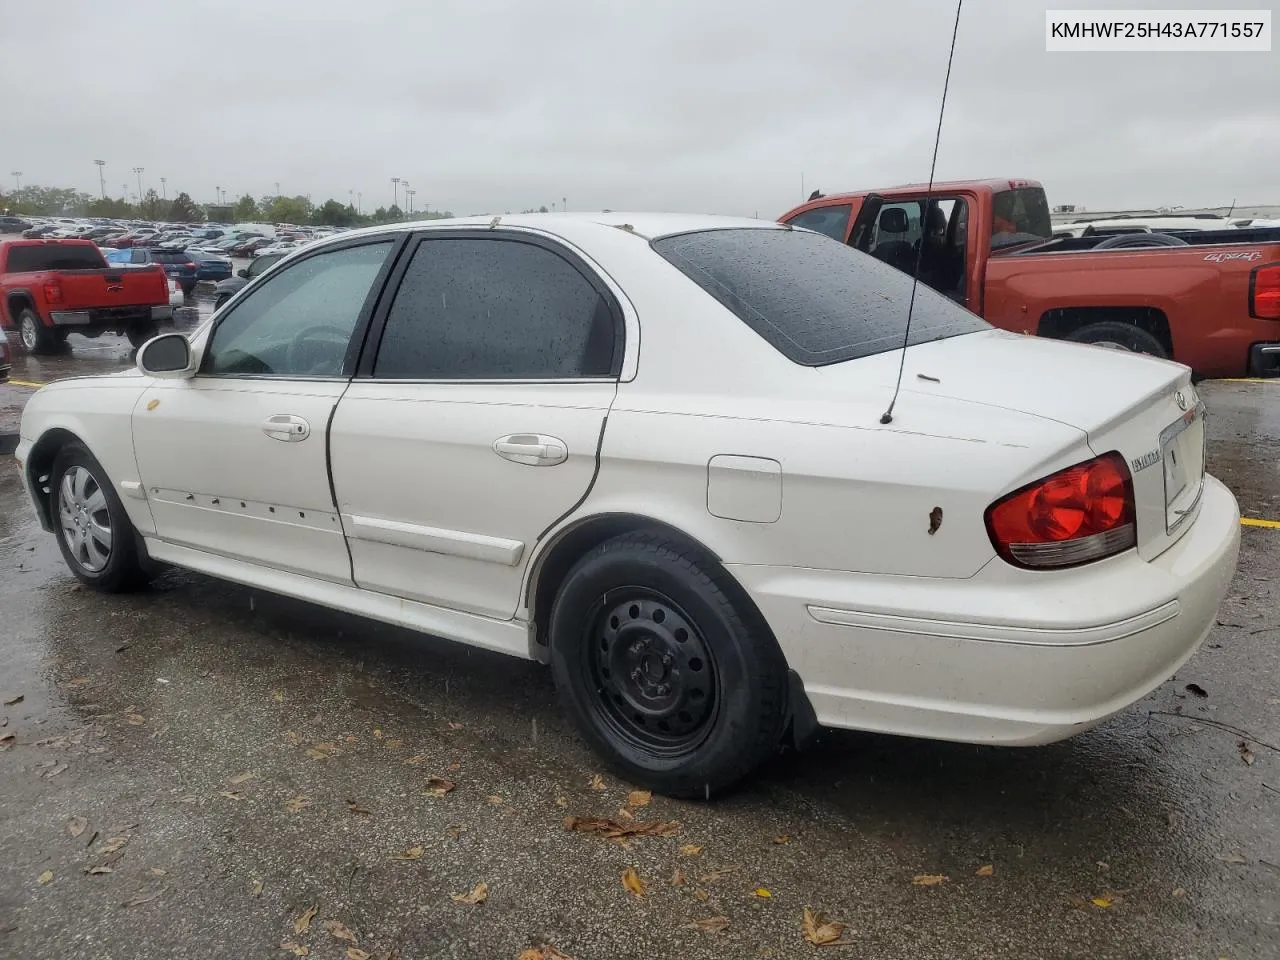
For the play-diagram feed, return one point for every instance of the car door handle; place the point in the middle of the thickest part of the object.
(287, 427)
(531, 448)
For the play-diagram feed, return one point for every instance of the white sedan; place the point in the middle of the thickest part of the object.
(651, 451)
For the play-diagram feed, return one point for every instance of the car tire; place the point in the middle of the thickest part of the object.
(666, 668)
(82, 506)
(221, 301)
(188, 289)
(140, 334)
(1120, 336)
(35, 336)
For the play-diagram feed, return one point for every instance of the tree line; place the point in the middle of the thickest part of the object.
(35, 200)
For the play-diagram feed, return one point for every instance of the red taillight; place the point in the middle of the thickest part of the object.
(1077, 515)
(52, 293)
(1264, 292)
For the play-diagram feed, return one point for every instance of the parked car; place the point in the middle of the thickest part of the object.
(51, 288)
(247, 248)
(210, 267)
(1206, 298)
(225, 290)
(179, 265)
(1024, 546)
(14, 224)
(279, 247)
(6, 358)
(39, 230)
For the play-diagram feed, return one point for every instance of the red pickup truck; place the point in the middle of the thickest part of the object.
(50, 288)
(1209, 299)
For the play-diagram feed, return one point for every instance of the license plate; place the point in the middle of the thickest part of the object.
(1182, 453)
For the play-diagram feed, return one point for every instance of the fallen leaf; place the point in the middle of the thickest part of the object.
(639, 798)
(339, 931)
(710, 924)
(135, 719)
(596, 782)
(377, 734)
(531, 954)
(241, 778)
(454, 726)
(455, 830)
(158, 871)
(690, 849)
(315, 754)
(612, 829)
(1179, 892)
(631, 880)
(1101, 902)
(1231, 858)
(303, 921)
(141, 899)
(494, 799)
(231, 794)
(297, 804)
(60, 768)
(355, 953)
(701, 894)
(454, 767)
(478, 894)
(279, 695)
(562, 801)
(1197, 690)
(256, 889)
(111, 845)
(625, 815)
(762, 892)
(677, 877)
(393, 744)
(545, 952)
(928, 879)
(1245, 753)
(984, 871)
(44, 877)
(6, 740)
(95, 871)
(292, 737)
(15, 701)
(439, 786)
(355, 807)
(417, 759)
(77, 826)
(822, 932)
(718, 873)
(296, 949)
(782, 838)
(413, 853)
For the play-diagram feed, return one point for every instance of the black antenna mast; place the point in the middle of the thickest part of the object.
(887, 416)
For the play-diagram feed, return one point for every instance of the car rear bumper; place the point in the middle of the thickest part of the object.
(1264, 360)
(1007, 656)
(114, 316)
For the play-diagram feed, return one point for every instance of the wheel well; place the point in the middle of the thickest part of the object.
(40, 464)
(1061, 322)
(16, 303)
(554, 564)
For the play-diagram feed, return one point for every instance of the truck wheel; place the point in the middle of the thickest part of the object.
(35, 336)
(142, 333)
(1120, 336)
(677, 685)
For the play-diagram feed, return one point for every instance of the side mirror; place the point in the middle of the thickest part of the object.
(167, 356)
(243, 272)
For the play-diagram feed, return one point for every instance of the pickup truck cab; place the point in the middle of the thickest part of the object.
(51, 288)
(1207, 298)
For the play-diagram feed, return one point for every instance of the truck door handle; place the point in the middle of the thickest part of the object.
(286, 427)
(533, 449)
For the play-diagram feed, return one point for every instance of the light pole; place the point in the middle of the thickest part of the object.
(139, 171)
(17, 179)
(408, 199)
(564, 204)
(102, 177)
(277, 189)
(124, 192)
(359, 203)
(395, 190)
(164, 189)
(217, 195)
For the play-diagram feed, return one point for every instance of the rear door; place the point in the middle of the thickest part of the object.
(476, 424)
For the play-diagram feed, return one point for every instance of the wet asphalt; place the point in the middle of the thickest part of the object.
(236, 759)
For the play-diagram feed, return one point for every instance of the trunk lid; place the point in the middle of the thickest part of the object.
(1142, 407)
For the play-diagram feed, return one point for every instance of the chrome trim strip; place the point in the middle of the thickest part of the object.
(457, 543)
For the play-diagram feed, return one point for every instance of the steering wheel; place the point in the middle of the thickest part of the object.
(305, 341)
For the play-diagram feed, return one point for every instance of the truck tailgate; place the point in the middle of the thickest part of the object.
(110, 287)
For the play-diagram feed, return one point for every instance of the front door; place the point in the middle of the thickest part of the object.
(234, 459)
(476, 424)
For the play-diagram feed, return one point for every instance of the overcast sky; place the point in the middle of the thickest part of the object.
(709, 105)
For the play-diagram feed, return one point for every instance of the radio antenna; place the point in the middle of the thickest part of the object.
(887, 416)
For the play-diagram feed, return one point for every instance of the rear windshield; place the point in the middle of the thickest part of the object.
(815, 301)
(1020, 216)
(171, 258)
(54, 257)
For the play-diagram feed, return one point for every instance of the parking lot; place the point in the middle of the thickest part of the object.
(202, 764)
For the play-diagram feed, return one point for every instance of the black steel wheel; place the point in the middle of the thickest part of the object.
(665, 665)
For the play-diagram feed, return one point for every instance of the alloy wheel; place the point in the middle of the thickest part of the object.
(85, 519)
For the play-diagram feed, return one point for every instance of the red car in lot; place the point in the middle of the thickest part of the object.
(51, 288)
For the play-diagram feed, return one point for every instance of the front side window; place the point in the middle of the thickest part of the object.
(832, 221)
(299, 322)
(496, 309)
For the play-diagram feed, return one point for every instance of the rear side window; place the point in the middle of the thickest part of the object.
(1019, 216)
(816, 302)
(496, 309)
(172, 258)
(832, 221)
(54, 257)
